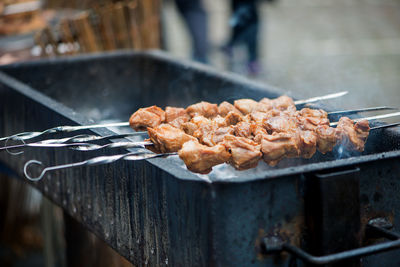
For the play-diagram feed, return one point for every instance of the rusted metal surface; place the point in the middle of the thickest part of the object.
(156, 212)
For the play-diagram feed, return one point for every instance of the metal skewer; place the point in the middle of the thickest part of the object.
(30, 135)
(93, 162)
(384, 116)
(79, 146)
(82, 138)
(353, 111)
(64, 129)
(319, 98)
(386, 126)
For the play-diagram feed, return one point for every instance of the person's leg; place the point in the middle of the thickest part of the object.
(195, 17)
(252, 36)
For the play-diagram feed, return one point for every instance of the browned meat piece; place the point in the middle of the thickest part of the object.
(247, 118)
(243, 129)
(326, 138)
(211, 134)
(200, 158)
(277, 146)
(146, 117)
(189, 127)
(245, 153)
(232, 118)
(309, 119)
(179, 122)
(224, 108)
(308, 143)
(258, 117)
(258, 132)
(315, 113)
(219, 134)
(194, 124)
(267, 101)
(352, 136)
(203, 108)
(167, 138)
(245, 106)
(200, 120)
(171, 113)
(283, 103)
(219, 121)
(280, 124)
(204, 134)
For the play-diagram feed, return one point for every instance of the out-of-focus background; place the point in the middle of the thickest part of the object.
(305, 47)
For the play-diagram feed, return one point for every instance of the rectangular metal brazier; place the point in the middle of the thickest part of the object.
(156, 212)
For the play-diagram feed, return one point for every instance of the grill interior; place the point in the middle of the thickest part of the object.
(111, 87)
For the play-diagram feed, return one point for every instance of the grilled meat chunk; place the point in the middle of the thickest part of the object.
(200, 158)
(224, 108)
(245, 153)
(232, 118)
(281, 103)
(258, 117)
(280, 124)
(243, 129)
(211, 134)
(167, 138)
(308, 143)
(277, 146)
(200, 120)
(309, 119)
(352, 135)
(203, 108)
(172, 113)
(245, 106)
(179, 122)
(146, 117)
(326, 138)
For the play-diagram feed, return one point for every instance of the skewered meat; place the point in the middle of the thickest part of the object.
(200, 158)
(243, 129)
(281, 103)
(179, 122)
(277, 146)
(189, 127)
(326, 138)
(245, 153)
(258, 116)
(219, 121)
(232, 118)
(167, 138)
(200, 120)
(283, 123)
(146, 117)
(245, 106)
(195, 123)
(308, 143)
(172, 113)
(211, 134)
(203, 108)
(224, 108)
(271, 129)
(353, 135)
(309, 119)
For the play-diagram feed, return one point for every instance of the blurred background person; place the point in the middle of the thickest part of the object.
(244, 23)
(195, 18)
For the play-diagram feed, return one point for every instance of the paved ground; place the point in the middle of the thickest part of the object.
(312, 47)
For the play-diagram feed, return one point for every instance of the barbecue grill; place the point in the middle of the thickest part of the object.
(155, 212)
